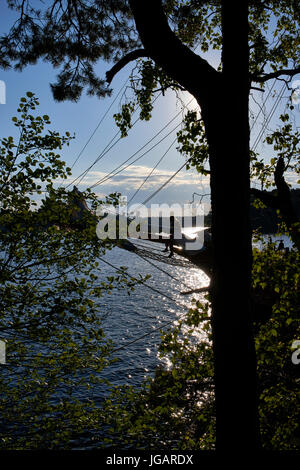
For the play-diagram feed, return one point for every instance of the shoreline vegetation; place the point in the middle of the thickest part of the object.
(266, 219)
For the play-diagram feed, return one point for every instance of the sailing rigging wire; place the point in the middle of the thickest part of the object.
(266, 122)
(113, 173)
(104, 152)
(137, 242)
(163, 325)
(106, 149)
(157, 291)
(263, 105)
(269, 117)
(99, 123)
(152, 170)
(163, 271)
(166, 182)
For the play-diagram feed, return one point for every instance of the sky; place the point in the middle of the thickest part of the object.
(83, 117)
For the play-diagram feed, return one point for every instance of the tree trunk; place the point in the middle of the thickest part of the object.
(223, 98)
(227, 127)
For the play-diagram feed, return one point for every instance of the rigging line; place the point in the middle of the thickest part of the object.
(141, 148)
(148, 334)
(104, 152)
(163, 271)
(142, 243)
(278, 99)
(95, 130)
(143, 282)
(113, 173)
(262, 106)
(99, 123)
(100, 156)
(153, 329)
(165, 183)
(106, 149)
(266, 122)
(154, 168)
(267, 119)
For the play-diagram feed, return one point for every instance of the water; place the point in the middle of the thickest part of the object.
(144, 312)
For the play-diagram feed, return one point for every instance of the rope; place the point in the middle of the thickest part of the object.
(174, 261)
(138, 280)
(104, 152)
(114, 172)
(263, 105)
(153, 329)
(144, 246)
(162, 270)
(106, 149)
(166, 182)
(151, 172)
(99, 123)
(159, 161)
(266, 122)
(147, 334)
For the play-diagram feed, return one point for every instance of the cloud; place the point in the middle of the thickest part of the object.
(292, 178)
(132, 178)
(180, 189)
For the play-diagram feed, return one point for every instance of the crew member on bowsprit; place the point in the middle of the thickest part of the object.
(169, 243)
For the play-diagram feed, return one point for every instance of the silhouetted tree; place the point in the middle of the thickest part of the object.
(76, 34)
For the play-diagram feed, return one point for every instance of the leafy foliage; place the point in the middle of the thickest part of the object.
(276, 274)
(192, 142)
(73, 35)
(285, 141)
(175, 409)
(76, 35)
(50, 295)
(146, 80)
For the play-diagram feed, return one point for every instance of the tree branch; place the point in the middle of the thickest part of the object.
(280, 182)
(123, 62)
(281, 201)
(277, 74)
(196, 291)
(284, 194)
(180, 63)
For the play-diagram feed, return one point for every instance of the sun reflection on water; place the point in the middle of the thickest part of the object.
(135, 322)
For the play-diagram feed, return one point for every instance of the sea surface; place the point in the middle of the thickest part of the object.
(134, 322)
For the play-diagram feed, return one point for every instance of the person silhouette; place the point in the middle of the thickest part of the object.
(169, 243)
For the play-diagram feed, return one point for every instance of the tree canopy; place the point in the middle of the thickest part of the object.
(51, 287)
(75, 35)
